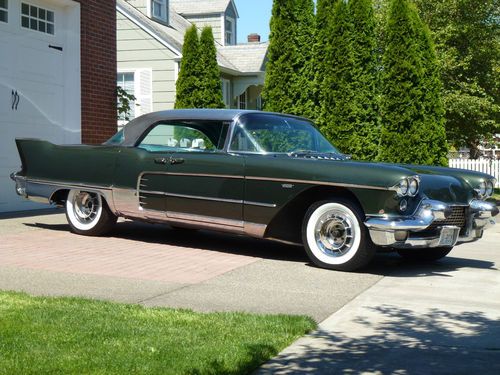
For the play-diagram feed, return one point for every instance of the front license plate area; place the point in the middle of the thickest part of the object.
(448, 236)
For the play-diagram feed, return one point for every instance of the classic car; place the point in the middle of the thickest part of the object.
(259, 174)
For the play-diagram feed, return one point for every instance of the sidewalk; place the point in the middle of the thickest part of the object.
(443, 321)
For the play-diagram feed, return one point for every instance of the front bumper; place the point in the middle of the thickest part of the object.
(416, 232)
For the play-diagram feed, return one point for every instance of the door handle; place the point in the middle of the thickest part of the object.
(161, 160)
(176, 160)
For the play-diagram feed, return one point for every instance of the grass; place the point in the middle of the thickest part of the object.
(73, 335)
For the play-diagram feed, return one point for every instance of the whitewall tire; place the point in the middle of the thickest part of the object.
(335, 237)
(88, 213)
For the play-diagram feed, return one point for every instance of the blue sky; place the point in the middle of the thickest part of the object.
(254, 18)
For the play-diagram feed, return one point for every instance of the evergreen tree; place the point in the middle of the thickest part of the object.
(210, 73)
(188, 87)
(289, 76)
(349, 106)
(411, 130)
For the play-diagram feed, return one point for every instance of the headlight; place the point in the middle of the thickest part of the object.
(402, 189)
(413, 189)
(489, 188)
(481, 190)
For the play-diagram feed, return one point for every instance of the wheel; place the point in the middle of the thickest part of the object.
(334, 236)
(424, 255)
(88, 213)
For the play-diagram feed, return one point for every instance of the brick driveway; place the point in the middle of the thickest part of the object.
(137, 257)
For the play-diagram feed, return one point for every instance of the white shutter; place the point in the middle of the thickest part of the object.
(143, 91)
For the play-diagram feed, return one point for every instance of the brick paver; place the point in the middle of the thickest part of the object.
(62, 251)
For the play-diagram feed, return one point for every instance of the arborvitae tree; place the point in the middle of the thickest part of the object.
(210, 74)
(188, 86)
(288, 85)
(349, 106)
(324, 12)
(409, 132)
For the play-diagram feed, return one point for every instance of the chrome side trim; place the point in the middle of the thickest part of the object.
(310, 182)
(73, 185)
(193, 218)
(192, 174)
(260, 204)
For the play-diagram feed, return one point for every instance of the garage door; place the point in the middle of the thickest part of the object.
(39, 82)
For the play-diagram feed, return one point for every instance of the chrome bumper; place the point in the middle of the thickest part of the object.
(409, 232)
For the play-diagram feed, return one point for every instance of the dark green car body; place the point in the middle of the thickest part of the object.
(261, 194)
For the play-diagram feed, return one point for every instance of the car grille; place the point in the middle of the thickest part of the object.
(457, 218)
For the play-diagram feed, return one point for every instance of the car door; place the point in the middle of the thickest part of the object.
(204, 183)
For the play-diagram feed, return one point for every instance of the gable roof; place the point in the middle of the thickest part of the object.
(246, 58)
(240, 58)
(189, 7)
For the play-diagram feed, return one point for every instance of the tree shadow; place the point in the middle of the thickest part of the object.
(401, 341)
(384, 264)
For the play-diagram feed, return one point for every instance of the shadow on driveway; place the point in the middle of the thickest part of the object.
(384, 264)
(402, 342)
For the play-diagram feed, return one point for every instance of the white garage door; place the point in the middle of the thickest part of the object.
(39, 82)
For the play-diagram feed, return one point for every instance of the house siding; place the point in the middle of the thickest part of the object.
(212, 20)
(98, 69)
(136, 50)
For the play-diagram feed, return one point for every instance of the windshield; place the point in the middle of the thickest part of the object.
(269, 133)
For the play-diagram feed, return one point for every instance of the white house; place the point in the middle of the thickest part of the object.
(150, 35)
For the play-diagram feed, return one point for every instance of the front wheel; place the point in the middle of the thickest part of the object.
(88, 213)
(425, 255)
(334, 236)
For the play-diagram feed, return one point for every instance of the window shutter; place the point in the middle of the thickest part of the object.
(143, 91)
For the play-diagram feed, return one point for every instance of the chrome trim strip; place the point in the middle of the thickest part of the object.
(191, 174)
(309, 182)
(260, 204)
(205, 219)
(73, 185)
(203, 198)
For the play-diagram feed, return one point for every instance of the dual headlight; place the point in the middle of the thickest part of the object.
(408, 187)
(485, 189)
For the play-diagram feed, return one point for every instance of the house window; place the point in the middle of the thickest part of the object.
(243, 101)
(36, 18)
(159, 9)
(4, 10)
(230, 28)
(226, 92)
(126, 81)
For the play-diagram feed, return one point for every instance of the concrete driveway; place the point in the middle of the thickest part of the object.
(395, 317)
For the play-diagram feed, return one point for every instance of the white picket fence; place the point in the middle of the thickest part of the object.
(491, 167)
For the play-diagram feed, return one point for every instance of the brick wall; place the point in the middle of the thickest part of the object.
(98, 69)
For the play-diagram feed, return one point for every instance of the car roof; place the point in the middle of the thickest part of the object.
(135, 128)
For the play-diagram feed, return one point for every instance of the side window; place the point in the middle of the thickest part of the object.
(241, 141)
(176, 137)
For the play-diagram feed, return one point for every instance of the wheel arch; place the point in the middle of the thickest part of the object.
(60, 196)
(286, 225)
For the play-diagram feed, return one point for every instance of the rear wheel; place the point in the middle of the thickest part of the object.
(88, 213)
(425, 255)
(334, 236)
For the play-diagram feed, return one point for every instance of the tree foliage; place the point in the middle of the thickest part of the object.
(199, 83)
(211, 96)
(467, 35)
(411, 109)
(348, 79)
(289, 72)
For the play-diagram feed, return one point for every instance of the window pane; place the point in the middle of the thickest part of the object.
(50, 16)
(3, 4)
(33, 24)
(25, 9)
(50, 28)
(41, 14)
(41, 26)
(25, 21)
(3, 16)
(33, 11)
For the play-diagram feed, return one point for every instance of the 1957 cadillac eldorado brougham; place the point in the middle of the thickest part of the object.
(259, 174)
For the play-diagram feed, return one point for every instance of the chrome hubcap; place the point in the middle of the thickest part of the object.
(86, 206)
(334, 233)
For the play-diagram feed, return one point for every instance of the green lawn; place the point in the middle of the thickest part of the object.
(74, 335)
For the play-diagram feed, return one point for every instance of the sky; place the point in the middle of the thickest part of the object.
(254, 18)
